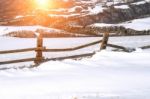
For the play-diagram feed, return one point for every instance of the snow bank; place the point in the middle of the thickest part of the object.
(12, 43)
(7, 29)
(97, 9)
(107, 75)
(136, 24)
(140, 2)
(122, 7)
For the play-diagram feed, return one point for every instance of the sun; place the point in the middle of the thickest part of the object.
(43, 4)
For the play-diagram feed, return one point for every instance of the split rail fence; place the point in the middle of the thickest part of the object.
(39, 58)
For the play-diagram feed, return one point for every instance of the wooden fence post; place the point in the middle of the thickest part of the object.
(39, 49)
(104, 41)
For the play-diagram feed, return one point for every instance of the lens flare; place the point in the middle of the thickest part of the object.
(43, 4)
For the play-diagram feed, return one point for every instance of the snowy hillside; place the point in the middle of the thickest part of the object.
(136, 24)
(133, 27)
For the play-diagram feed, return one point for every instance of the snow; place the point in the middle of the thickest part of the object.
(102, 77)
(52, 43)
(97, 9)
(140, 2)
(19, 16)
(4, 30)
(64, 16)
(136, 24)
(147, 0)
(122, 7)
(101, 24)
(8, 29)
(106, 75)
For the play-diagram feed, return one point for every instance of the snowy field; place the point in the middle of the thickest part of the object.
(107, 75)
(12, 43)
(136, 24)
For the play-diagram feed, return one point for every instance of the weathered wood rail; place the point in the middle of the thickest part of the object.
(40, 49)
(145, 47)
(17, 51)
(17, 61)
(74, 48)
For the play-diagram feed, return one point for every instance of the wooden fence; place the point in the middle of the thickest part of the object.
(40, 49)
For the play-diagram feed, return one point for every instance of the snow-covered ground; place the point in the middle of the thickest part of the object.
(122, 7)
(136, 24)
(20, 43)
(4, 30)
(7, 29)
(107, 75)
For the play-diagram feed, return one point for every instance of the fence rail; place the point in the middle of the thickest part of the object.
(17, 50)
(18, 61)
(145, 47)
(40, 49)
(74, 48)
(70, 57)
(121, 47)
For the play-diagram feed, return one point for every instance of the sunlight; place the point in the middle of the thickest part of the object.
(43, 4)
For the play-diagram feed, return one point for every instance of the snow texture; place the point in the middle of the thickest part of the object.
(136, 24)
(107, 75)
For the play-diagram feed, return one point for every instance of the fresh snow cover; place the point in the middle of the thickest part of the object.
(64, 15)
(107, 75)
(8, 29)
(136, 24)
(12, 43)
(147, 0)
(101, 24)
(19, 16)
(88, 1)
(97, 9)
(122, 7)
(140, 2)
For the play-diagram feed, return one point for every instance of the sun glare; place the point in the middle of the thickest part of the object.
(43, 4)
